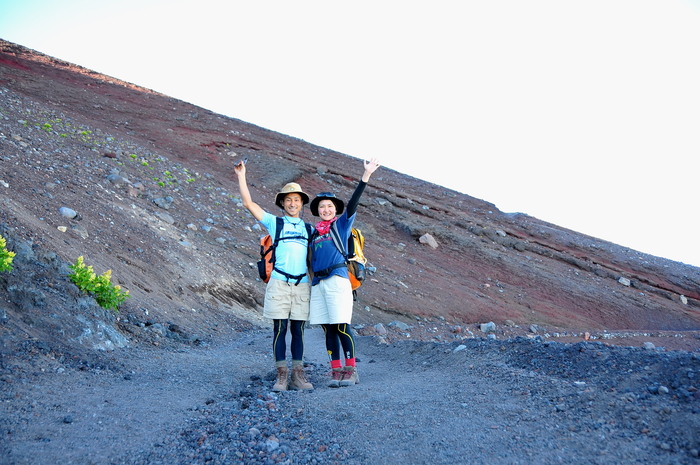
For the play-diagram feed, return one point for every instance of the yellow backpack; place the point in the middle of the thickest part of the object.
(353, 253)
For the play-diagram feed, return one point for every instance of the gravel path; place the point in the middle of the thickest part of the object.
(513, 402)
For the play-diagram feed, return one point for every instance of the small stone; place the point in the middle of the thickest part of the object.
(488, 327)
(116, 179)
(164, 217)
(272, 443)
(67, 212)
(80, 231)
(400, 325)
(428, 239)
(164, 202)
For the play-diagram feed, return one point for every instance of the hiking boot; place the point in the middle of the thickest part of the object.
(298, 380)
(281, 383)
(350, 377)
(337, 376)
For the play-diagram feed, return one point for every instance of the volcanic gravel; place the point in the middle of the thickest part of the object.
(516, 401)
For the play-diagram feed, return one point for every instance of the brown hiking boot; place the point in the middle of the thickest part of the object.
(337, 376)
(281, 383)
(298, 380)
(350, 377)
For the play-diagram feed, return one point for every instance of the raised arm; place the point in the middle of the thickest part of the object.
(370, 167)
(255, 209)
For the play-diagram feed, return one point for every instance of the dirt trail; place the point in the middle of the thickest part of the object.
(417, 403)
(95, 416)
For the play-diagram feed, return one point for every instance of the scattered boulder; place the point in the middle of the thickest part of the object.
(164, 202)
(429, 240)
(489, 327)
(67, 212)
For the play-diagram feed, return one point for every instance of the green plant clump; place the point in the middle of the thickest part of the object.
(5, 256)
(106, 294)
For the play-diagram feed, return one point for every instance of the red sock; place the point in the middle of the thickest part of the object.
(350, 362)
(336, 364)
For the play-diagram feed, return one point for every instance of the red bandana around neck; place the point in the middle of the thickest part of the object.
(324, 227)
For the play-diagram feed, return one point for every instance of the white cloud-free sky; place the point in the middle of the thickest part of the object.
(585, 114)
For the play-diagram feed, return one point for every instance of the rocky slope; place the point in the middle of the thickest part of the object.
(150, 179)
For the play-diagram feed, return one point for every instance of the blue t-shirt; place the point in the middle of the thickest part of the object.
(326, 254)
(290, 255)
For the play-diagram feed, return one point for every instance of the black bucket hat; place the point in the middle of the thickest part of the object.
(339, 204)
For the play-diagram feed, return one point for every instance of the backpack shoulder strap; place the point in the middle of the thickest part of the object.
(276, 240)
(310, 250)
(309, 231)
(278, 230)
(335, 235)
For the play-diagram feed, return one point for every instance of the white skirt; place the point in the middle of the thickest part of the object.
(331, 301)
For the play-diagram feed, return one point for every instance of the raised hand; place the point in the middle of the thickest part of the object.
(370, 167)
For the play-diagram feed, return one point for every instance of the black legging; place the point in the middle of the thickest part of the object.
(279, 340)
(337, 335)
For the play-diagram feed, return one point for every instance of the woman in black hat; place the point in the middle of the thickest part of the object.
(331, 290)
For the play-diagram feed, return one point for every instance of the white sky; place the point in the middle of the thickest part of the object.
(585, 114)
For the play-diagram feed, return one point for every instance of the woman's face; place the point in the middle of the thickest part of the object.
(326, 210)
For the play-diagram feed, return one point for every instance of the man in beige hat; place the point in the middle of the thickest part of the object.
(288, 290)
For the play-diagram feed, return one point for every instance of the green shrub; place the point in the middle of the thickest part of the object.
(100, 287)
(5, 256)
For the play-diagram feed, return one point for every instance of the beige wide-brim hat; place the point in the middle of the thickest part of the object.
(290, 188)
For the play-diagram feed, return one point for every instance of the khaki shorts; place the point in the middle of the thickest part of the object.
(331, 301)
(284, 300)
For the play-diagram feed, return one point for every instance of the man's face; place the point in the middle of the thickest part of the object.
(293, 204)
